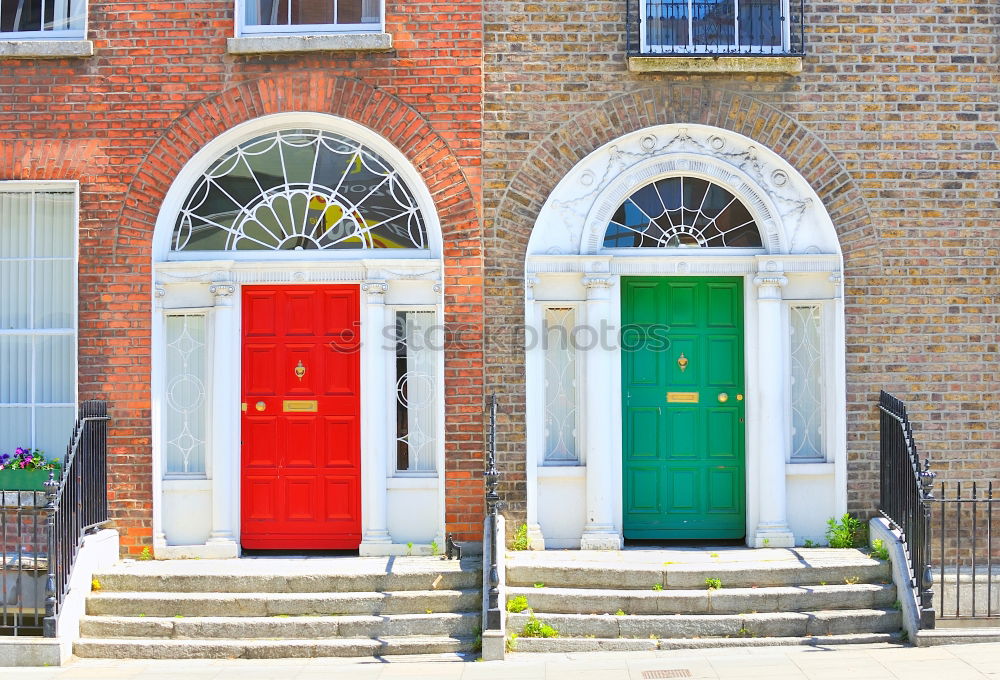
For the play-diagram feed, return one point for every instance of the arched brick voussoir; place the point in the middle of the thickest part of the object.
(554, 156)
(311, 92)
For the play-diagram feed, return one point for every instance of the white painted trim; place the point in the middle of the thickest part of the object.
(178, 276)
(799, 237)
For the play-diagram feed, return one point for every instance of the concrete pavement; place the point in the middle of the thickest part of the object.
(862, 662)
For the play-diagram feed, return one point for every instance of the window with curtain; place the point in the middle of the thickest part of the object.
(560, 386)
(186, 395)
(805, 327)
(21, 19)
(417, 351)
(38, 318)
(263, 16)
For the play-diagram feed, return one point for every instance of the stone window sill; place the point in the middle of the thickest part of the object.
(46, 49)
(333, 42)
(742, 64)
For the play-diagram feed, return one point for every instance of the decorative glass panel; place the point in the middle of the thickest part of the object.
(37, 319)
(807, 382)
(299, 190)
(339, 13)
(46, 18)
(560, 385)
(185, 402)
(682, 212)
(416, 390)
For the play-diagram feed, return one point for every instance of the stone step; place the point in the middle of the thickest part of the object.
(723, 601)
(299, 627)
(334, 575)
(774, 624)
(267, 649)
(692, 577)
(568, 644)
(168, 604)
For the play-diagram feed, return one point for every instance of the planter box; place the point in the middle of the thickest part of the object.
(25, 480)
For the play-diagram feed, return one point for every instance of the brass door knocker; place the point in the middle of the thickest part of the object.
(682, 362)
(300, 371)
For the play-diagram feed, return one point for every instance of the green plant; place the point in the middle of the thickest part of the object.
(409, 547)
(146, 554)
(434, 548)
(744, 631)
(536, 628)
(808, 544)
(767, 542)
(95, 584)
(897, 605)
(657, 586)
(844, 534)
(27, 459)
(822, 583)
(518, 604)
(520, 538)
(511, 643)
(713, 583)
(717, 554)
(879, 551)
(539, 585)
(620, 612)
(852, 580)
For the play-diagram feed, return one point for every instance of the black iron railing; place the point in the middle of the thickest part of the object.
(967, 555)
(905, 496)
(494, 505)
(715, 27)
(41, 532)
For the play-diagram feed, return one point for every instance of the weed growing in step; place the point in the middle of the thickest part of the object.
(146, 554)
(879, 551)
(767, 542)
(409, 548)
(539, 585)
(808, 544)
(434, 548)
(897, 605)
(713, 554)
(852, 580)
(713, 583)
(511, 642)
(538, 629)
(95, 585)
(619, 612)
(518, 604)
(846, 533)
(520, 538)
(657, 586)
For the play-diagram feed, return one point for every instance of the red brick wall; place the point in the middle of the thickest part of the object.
(160, 85)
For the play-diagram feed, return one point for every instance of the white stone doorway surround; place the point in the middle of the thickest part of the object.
(199, 515)
(578, 504)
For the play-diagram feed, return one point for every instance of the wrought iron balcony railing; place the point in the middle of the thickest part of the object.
(686, 28)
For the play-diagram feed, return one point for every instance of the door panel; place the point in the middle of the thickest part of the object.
(684, 475)
(301, 432)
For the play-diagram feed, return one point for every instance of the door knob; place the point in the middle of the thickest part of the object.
(260, 406)
(723, 397)
(739, 397)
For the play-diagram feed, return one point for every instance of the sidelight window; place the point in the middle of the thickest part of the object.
(417, 351)
(45, 19)
(186, 403)
(807, 383)
(560, 386)
(310, 16)
(38, 317)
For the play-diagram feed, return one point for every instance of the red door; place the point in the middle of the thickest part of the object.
(301, 410)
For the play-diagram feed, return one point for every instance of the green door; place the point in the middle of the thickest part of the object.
(683, 410)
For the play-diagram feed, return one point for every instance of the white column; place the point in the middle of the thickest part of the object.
(534, 386)
(225, 422)
(159, 345)
(599, 532)
(374, 435)
(772, 366)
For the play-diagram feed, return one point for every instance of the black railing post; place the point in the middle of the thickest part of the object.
(927, 614)
(51, 493)
(493, 507)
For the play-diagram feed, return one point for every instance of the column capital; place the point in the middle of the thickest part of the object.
(376, 291)
(529, 287)
(223, 293)
(597, 287)
(769, 285)
(159, 292)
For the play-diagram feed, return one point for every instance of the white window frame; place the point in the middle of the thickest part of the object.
(734, 49)
(55, 34)
(18, 186)
(245, 29)
(577, 308)
(436, 406)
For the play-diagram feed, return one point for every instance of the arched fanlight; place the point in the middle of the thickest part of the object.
(682, 212)
(299, 190)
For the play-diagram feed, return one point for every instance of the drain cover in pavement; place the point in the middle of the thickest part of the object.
(669, 673)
